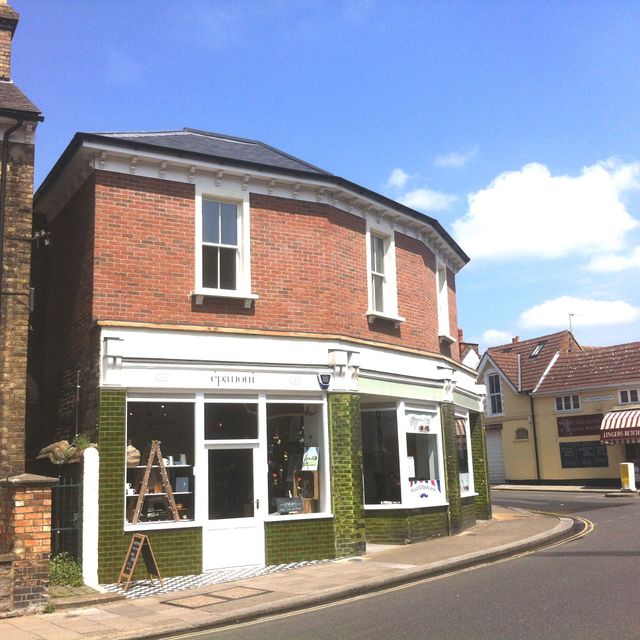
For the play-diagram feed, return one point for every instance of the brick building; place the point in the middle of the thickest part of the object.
(25, 499)
(18, 120)
(288, 337)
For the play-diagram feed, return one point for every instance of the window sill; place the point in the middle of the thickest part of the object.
(379, 315)
(163, 524)
(398, 505)
(274, 517)
(201, 294)
(445, 337)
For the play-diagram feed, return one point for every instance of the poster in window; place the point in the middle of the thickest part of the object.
(411, 466)
(424, 491)
(310, 459)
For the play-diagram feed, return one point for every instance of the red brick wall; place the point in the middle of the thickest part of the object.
(70, 336)
(27, 517)
(308, 264)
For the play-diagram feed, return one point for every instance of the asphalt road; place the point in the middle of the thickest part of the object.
(584, 589)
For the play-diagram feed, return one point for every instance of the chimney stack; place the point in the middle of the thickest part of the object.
(515, 340)
(8, 22)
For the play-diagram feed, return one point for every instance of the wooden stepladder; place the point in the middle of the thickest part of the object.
(155, 458)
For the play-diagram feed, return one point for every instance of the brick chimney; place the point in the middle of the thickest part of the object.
(515, 340)
(8, 22)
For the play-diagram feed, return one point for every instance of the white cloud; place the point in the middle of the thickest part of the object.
(533, 214)
(555, 313)
(455, 159)
(493, 337)
(398, 178)
(610, 263)
(428, 200)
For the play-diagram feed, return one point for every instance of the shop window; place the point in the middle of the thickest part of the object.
(380, 458)
(236, 421)
(463, 448)
(422, 455)
(522, 433)
(629, 396)
(567, 403)
(295, 450)
(171, 424)
(424, 465)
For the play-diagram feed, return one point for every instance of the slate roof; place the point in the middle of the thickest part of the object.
(235, 152)
(532, 367)
(219, 146)
(13, 100)
(599, 366)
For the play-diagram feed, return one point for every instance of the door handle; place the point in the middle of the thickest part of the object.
(257, 503)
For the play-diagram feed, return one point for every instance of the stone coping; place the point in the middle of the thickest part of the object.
(28, 479)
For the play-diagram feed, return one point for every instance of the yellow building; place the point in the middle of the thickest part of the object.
(548, 400)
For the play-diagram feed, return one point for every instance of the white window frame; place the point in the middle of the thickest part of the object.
(403, 411)
(467, 430)
(325, 466)
(207, 190)
(442, 302)
(159, 399)
(489, 394)
(628, 392)
(567, 403)
(389, 311)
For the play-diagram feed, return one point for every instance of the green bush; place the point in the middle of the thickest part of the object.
(66, 570)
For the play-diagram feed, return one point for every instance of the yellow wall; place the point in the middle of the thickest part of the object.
(549, 441)
(519, 455)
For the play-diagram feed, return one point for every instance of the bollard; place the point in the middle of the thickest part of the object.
(627, 476)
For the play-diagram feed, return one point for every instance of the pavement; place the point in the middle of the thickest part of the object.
(509, 532)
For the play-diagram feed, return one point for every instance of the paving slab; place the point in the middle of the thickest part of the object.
(247, 598)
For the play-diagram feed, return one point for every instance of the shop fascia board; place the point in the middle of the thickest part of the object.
(139, 347)
(91, 155)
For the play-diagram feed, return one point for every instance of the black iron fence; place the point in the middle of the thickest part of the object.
(66, 512)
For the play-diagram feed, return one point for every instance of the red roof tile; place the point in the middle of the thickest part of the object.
(600, 366)
(533, 362)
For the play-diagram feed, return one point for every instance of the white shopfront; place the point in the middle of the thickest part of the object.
(245, 435)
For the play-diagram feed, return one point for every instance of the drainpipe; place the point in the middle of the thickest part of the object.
(535, 437)
(3, 192)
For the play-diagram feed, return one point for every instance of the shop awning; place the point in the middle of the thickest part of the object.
(461, 431)
(620, 426)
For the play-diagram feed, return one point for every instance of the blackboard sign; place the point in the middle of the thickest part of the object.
(139, 544)
(289, 505)
(575, 455)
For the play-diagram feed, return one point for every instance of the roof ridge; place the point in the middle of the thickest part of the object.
(530, 340)
(264, 144)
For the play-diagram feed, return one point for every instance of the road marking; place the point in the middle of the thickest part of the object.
(588, 528)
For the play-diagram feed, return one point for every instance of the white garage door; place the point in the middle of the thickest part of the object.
(494, 455)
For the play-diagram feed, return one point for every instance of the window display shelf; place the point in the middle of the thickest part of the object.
(150, 495)
(166, 466)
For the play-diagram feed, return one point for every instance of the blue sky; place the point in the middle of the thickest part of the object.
(514, 123)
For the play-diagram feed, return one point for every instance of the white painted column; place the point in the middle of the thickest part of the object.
(90, 481)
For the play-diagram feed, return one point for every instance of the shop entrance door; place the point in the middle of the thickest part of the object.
(234, 534)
